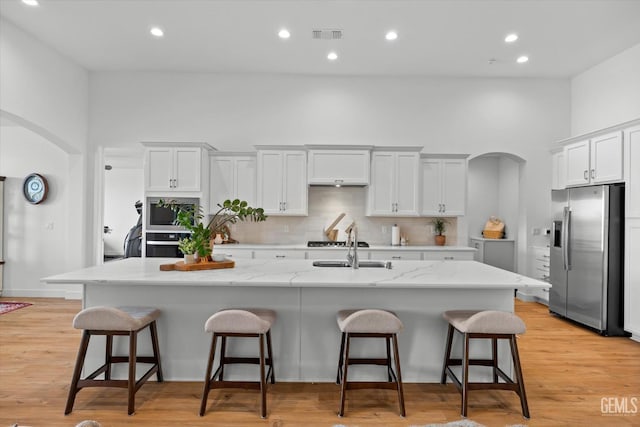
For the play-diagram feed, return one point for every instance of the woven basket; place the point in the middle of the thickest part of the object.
(489, 234)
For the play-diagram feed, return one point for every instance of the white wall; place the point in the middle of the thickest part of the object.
(234, 112)
(607, 94)
(36, 237)
(47, 94)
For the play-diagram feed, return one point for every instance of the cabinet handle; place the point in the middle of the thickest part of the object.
(280, 256)
(586, 175)
(396, 257)
(284, 206)
(448, 258)
(593, 174)
(444, 208)
(545, 266)
(281, 209)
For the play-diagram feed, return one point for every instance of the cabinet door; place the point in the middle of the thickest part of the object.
(337, 167)
(396, 255)
(448, 255)
(380, 195)
(245, 180)
(577, 163)
(187, 169)
(158, 169)
(431, 187)
(406, 183)
(632, 276)
(632, 174)
(221, 181)
(454, 186)
(269, 190)
(558, 170)
(606, 158)
(278, 254)
(295, 183)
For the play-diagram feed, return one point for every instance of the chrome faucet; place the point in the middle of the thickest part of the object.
(352, 259)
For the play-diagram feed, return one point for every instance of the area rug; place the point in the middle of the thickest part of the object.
(6, 307)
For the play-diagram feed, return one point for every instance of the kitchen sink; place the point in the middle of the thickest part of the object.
(361, 264)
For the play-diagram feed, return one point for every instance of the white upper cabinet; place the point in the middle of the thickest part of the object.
(282, 182)
(232, 177)
(339, 166)
(444, 186)
(394, 184)
(558, 170)
(595, 161)
(171, 169)
(632, 174)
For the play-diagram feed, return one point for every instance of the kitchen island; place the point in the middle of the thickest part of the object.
(306, 298)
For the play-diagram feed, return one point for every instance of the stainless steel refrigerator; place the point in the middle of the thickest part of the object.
(587, 247)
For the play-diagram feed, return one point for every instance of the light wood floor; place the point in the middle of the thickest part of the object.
(567, 371)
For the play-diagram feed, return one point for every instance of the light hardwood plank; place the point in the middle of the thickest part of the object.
(567, 371)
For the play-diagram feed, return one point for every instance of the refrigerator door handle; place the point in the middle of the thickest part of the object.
(566, 225)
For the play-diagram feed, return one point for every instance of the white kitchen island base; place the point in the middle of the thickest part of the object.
(305, 336)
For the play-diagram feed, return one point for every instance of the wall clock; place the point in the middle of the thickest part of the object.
(35, 188)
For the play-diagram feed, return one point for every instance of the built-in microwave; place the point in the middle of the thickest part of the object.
(163, 218)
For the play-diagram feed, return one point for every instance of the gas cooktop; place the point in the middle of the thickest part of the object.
(328, 244)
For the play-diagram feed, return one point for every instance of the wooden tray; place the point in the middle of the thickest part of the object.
(206, 265)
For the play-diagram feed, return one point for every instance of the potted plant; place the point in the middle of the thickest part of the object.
(188, 247)
(439, 228)
(229, 212)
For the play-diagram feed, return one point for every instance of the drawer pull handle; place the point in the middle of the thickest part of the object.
(448, 257)
(280, 256)
(396, 257)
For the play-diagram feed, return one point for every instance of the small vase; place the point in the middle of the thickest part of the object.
(440, 240)
(189, 259)
(218, 239)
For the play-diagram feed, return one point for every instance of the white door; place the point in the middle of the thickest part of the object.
(270, 175)
(454, 186)
(606, 158)
(577, 163)
(431, 187)
(159, 168)
(295, 183)
(632, 174)
(187, 169)
(221, 182)
(406, 188)
(245, 180)
(381, 191)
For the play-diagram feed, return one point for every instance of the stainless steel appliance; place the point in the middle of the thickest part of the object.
(162, 218)
(587, 247)
(164, 245)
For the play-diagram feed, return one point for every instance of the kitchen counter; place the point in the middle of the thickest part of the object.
(306, 298)
(303, 246)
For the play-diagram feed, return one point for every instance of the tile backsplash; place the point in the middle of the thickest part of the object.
(325, 204)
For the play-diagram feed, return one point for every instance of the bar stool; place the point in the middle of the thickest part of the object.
(239, 323)
(112, 321)
(492, 325)
(369, 323)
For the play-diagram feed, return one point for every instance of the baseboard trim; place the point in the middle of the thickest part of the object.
(530, 298)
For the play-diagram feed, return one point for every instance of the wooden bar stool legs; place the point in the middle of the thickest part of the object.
(244, 324)
(505, 325)
(124, 319)
(354, 324)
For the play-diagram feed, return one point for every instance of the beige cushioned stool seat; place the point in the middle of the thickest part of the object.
(242, 321)
(485, 322)
(115, 318)
(369, 321)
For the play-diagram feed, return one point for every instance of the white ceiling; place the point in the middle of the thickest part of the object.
(436, 37)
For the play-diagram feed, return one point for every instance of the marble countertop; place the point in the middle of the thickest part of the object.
(301, 273)
(303, 246)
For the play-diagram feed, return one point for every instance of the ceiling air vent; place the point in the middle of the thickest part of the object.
(326, 34)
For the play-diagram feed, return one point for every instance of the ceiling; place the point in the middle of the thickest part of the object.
(436, 38)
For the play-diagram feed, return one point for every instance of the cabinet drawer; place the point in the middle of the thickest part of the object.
(233, 253)
(447, 256)
(395, 256)
(278, 254)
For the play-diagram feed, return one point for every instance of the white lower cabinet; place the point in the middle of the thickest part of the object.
(448, 255)
(539, 265)
(278, 254)
(233, 253)
(395, 256)
(496, 252)
(632, 277)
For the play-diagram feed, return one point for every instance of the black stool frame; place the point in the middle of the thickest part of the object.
(210, 382)
(130, 383)
(465, 386)
(394, 377)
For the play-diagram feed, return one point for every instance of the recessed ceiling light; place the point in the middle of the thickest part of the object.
(284, 33)
(156, 31)
(30, 2)
(391, 35)
(522, 59)
(332, 56)
(511, 38)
